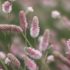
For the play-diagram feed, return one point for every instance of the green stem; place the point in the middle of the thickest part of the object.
(46, 55)
(46, 68)
(26, 40)
(35, 42)
(21, 68)
(26, 37)
(12, 67)
(3, 65)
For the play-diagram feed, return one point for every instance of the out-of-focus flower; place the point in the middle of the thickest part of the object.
(44, 43)
(2, 55)
(7, 27)
(40, 38)
(7, 61)
(22, 19)
(68, 55)
(68, 44)
(50, 58)
(30, 9)
(55, 14)
(13, 60)
(34, 30)
(1, 69)
(6, 7)
(33, 53)
(31, 65)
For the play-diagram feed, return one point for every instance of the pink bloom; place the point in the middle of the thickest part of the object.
(33, 53)
(68, 43)
(7, 27)
(30, 63)
(6, 7)
(45, 40)
(22, 19)
(34, 30)
(7, 61)
(13, 60)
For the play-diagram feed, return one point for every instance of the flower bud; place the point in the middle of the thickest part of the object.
(55, 14)
(34, 30)
(6, 7)
(13, 60)
(33, 53)
(22, 19)
(44, 43)
(31, 65)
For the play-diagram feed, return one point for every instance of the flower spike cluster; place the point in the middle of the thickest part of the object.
(22, 19)
(6, 7)
(44, 43)
(34, 30)
(33, 53)
(31, 65)
(7, 27)
(13, 60)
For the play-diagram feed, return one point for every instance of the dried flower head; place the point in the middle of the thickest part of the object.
(55, 14)
(31, 65)
(13, 60)
(34, 30)
(50, 58)
(22, 19)
(68, 44)
(7, 27)
(7, 61)
(6, 7)
(44, 43)
(2, 55)
(33, 53)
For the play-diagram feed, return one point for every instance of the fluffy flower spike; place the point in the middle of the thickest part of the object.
(44, 43)
(31, 65)
(68, 44)
(13, 60)
(6, 7)
(55, 14)
(34, 30)
(22, 19)
(33, 53)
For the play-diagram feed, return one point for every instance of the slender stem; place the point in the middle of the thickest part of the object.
(46, 68)
(21, 68)
(35, 42)
(3, 65)
(26, 37)
(12, 67)
(26, 40)
(46, 55)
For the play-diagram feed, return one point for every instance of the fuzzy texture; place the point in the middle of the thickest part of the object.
(31, 65)
(45, 40)
(55, 14)
(34, 30)
(68, 44)
(22, 19)
(2, 55)
(6, 7)
(7, 27)
(7, 61)
(33, 53)
(14, 60)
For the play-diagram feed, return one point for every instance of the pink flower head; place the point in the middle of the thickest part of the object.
(45, 40)
(7, 61)
(34, 30)
(22, 19)
(31, 65)
(6, 7)
(33, 53)
(13, 60)
(68, 44)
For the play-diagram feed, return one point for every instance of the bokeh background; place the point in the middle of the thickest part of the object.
(59, 30)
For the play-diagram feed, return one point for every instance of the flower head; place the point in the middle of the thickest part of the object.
(30, 9)
(55, 14)
(6, 7)
(22, 19)
(31, 65)
(68, 44)
(44, 43)
(33, 53)
(13, 60)
(34, 30)
(7, 61)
